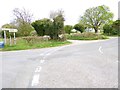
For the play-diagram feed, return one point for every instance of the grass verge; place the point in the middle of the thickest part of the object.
(23, 45)
(86, 36)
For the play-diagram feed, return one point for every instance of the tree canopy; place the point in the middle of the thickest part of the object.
(112, 28)
(52, 27)
(95, 17)
(43, 26)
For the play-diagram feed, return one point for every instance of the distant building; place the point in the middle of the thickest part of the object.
(89, 30)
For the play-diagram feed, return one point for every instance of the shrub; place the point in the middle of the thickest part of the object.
(43, 26)
(107, 29)
(86, 36)
(79, 27)
(68, 29)
(33, 39)
(112, 29)
(33, 33)
(24, 29)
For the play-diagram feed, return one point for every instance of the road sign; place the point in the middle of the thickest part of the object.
(13, 30)
(8, 29)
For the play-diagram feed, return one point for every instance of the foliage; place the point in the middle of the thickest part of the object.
(11, 26)
(52, 27)
(86, 36)
(112, 29)
(107, 29)
(79, 27)
(95, 17)
(58, 24)
(24, 29)
(43, 26)
(8, 26)
(33, 33)
(36, 42)
(68, 29)
(116, 27)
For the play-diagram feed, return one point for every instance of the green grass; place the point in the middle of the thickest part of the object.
(86, 36)
(23, 45)
(1, 39)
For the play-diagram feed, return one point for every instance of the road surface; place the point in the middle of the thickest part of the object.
(83, 64)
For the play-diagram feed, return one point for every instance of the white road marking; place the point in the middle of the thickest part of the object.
(35, 80)
(117, 61)
(100, 49)
(42, 54)
(38, 69)
(53, 50)
(48, 54)
(42, 61)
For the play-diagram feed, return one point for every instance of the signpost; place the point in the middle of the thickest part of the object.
(10, 31)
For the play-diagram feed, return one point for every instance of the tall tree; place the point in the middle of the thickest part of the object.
(22, 15)
(58, 23)
(116, 26)
(95, 17)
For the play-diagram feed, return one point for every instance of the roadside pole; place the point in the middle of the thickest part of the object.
(4, 36)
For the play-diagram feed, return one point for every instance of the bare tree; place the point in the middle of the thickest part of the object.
(54, 14)
(22, 15)
(23, 21)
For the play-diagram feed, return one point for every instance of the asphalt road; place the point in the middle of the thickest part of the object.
(83, 64)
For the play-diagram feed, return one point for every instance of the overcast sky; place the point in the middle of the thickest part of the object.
(41, 8)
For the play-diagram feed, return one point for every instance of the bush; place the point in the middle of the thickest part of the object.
(32, 39)
(68, 29)
(79, 27)
(86, 36)
(33, 33)
(43, 26)
(112, 29)
(107, 29)
(24, 29)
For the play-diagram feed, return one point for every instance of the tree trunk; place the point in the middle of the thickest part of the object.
(96, 30)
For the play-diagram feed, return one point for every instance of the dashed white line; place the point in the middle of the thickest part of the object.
(117, 61)
(42, 61)
(42, 54)
(100, 49)
(35, 80)
(48, 54)
(38, 69)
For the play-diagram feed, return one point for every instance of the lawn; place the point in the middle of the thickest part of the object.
(23, 44)
(1, 39)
